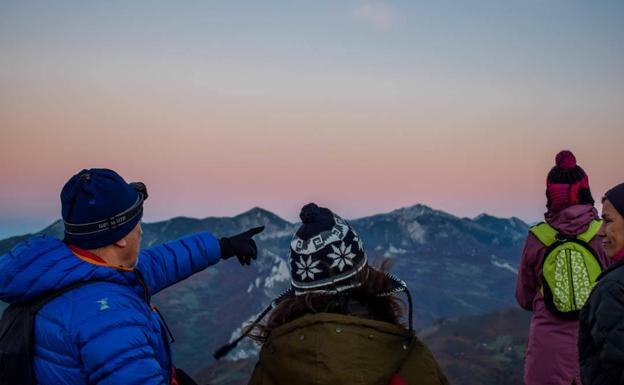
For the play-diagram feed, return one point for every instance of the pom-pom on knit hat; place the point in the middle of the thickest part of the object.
(99, 208)
(325, 253)
(567, 184)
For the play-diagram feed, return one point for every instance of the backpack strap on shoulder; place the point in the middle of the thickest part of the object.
(591, 231)
(545, 233)
(17, 329)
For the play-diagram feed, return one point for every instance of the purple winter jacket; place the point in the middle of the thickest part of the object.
(552, 351)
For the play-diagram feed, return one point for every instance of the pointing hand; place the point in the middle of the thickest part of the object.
(241, 245)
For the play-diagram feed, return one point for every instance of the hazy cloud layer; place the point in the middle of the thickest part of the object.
(378, 14)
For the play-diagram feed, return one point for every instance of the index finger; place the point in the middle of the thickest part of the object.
(254, 231)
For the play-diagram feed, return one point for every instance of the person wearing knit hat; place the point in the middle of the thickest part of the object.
(340, 322)
(326, 254)
(101, 327)
(601, 329)
(552, 352)
(567, 184)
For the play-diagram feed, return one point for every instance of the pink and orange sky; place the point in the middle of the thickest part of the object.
(362, 106)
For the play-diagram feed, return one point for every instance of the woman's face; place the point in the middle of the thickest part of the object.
(612, 230)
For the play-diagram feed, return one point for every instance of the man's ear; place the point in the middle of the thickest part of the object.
(123, 242)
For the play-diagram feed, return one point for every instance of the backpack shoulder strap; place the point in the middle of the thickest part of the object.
(17, 337)
(591, 231)
(545, 233)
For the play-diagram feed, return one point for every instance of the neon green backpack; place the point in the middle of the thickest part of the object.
(570, 268)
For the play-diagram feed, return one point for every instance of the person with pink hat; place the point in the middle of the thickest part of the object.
(561, 260)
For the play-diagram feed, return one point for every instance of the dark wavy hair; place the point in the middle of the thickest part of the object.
(363, 301)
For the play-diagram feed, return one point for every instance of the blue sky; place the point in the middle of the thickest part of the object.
(364, 106)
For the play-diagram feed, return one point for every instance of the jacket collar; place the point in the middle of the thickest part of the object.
(610, 268)
(332, 319)
(89, 257)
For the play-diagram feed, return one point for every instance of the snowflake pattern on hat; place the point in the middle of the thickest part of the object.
(328, 261)
(307, 268)
(342, 256)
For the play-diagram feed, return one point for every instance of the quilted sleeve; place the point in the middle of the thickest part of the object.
(171, 262)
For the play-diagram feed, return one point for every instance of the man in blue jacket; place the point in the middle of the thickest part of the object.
(107, 331)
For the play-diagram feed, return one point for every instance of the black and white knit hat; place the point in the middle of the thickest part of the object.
(326, 253)
(326, 257)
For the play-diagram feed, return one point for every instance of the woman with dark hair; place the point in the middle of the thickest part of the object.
(561, 259)
(601, 329)
(340, 323)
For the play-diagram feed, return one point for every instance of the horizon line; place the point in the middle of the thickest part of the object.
(54, 222)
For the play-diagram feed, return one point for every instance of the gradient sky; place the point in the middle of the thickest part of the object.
(362, 106)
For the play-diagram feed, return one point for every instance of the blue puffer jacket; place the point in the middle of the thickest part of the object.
(104, 332)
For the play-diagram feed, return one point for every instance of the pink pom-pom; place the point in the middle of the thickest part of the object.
(565, 160)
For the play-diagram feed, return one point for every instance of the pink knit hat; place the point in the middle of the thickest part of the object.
(567, 183)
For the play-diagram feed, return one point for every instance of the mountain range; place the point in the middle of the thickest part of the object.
(455, 268)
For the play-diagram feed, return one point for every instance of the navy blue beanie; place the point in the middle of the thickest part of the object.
(99, 208)
(616, 197)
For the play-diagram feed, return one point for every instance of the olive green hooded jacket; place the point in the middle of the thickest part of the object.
(333, 349)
